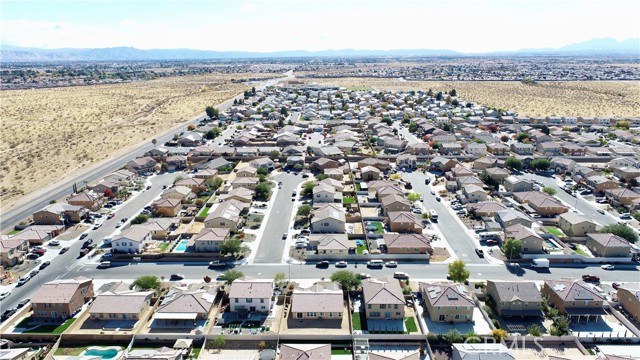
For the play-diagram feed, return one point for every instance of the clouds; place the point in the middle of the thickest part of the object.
(473, 26)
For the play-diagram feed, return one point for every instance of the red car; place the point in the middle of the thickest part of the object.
(591, 278)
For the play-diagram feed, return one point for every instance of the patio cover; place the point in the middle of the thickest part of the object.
(585, 311)
(183, 344)
(176, 316)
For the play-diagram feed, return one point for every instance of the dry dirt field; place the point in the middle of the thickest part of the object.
(588, 98)
(46, 134)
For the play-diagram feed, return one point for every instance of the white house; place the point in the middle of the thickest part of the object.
(132, 240)
(251, 295)
(324, 193)
(476, 149)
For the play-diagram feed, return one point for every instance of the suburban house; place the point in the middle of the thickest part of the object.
(247, 182)
(404, 222)
(406, 161)
(542, 203)
(330, 244)
(161, 227)
(132, 240)
(262, 163)
(515, 298)
(183, 305)
(305, 351)
(249, 295)
(408, 244)
(522, 148)
(337, 174)
(59, 214)
(209, 239)
(476, 149)
(382, 165)
(447, 302)
(498, 174)
(623, 196)
(386, 355)
(608, 245)
(486, 351)
(485, 208)
(143, 165)
(516, 184)
(562, 165)
(89, 200)
(167, 207)
(121, 305)
(629, 298)
(247, 171)
(225, 215)
(241, 194)
(12, 251)
(383, 299)
(176, 162)
(38, 234)
(574, 224)
(322, 301)
(443, 164)
(61, 299)
(510, 217)
(532, 243)
(177, 192)
(369, 173)
(498, 149)
(323, 193)
(322, 164)
(474, 193)
(329, 218)
(600, 183)
(192, 183)
(395, 203)
(574, 298)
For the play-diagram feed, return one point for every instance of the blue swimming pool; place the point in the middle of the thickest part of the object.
(182, 246)
(105, 353)
(550, 244)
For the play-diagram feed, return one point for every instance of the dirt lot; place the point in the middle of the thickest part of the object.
(49, 133)
(579, 98)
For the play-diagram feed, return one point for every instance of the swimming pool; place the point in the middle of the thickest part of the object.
(550, 244)
(182, 246)
(107, 353)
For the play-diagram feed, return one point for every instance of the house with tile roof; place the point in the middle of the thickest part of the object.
(408, 244)
(575, 299)
(575, 224)
(383, 299)
(61, 299)
(321, 301)
(329, 219)
(250, 295)
(515, 298)
(447, 302)
(305, 352)
(330, 244)
(629, 298)
(608, 245)
(183, 305)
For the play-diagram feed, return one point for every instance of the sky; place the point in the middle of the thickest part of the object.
(268, 25)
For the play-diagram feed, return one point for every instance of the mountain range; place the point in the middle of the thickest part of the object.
(605, 46)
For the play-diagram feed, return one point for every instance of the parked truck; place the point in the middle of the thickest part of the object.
(540, 263)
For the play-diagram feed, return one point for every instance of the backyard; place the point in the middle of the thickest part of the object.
(356, 322)
(47, 329)
(348, 200)
(410, 324)
(555, 231)
(204, 212)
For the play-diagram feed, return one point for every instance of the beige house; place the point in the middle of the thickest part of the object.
(629, 298)
(125, 305)
(623, 196)
(323, 163)
(305, 352)
(395, 203)
(383, 299)
(161, 227)
(225, 215)
(608, 245)
(532, 243)
(336, 174)
(183, 305)
(574, 224)
(474, 193)
(324, 194)
(330, 244)
(370, 173)
(88, 200)
(168, 207)
(247, 171)
(319, 302)
(485, 208)
(247, 182)
(59, 214)
(404, 222)
(61, 299)
(209, 239)
(38, 234)
(12, 251)
(251, 295)
(240, 194)
(329, 219)
(515, 298)
(408, 244)
(394, 355)
(574, 298)
(177, 192)
(447, 302)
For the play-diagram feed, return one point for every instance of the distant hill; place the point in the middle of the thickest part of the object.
(19, 54)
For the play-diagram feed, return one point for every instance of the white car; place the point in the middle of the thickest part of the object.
(607, 267)
(54, 243)
(5, 295)
(391, 264)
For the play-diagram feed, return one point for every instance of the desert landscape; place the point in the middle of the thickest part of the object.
(49, 133)
(577, 98)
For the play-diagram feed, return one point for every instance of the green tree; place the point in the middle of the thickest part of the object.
(487, 179)
(549, 190)
(458, 271)
(439, 96)
(263, 190)
(453, 92)
(453, 336)
(540, 164)
(522, 136)
(213, 133)
(305, 210)
(512, 248)
(413, 197)
(284, 111)
(253, 90)
(219, 342)
(321, 177)
(622, 230)
(307, 188)
(147, 282)
(230, 276)
(263, 171)
(560, 326)
(413, 127)
(499, 334)
(231, 246)
(212, 112)
(279, 279)
(535, 330)
(347, 279)
(140, 219)
(624, 124)
(213, 184)
(513, 163)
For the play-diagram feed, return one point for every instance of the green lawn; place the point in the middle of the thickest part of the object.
(360, 249)
(358, 186)
(555, 231)
(380, 228)
(204, 211)
(582, 252)
(70, 351)
(196, 352)
(163, 246)
(355, 319)
(348, 200)
(340, 352)
(14, 232)
(52, 329)
(410, 324)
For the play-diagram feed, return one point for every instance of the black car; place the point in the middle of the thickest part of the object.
(480, 252)
(83, 236)
(23, 303)
(33, 256)
(176, 277)
(64, 250)
(322, 264)
(45, 264)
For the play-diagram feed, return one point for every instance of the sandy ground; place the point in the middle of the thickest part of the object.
(578, 98)
(47, 134)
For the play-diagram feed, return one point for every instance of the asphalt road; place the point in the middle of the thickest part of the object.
(63, 188)
(463, 245)
(272, 245)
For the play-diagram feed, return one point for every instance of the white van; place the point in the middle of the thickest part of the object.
(107, 240)
(375, 264)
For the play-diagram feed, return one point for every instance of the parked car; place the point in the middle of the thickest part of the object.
(5, 295)
(492, 242)
(607, 267)
(54, 243)
(365, 276)
(480, 252)
(400, 275)
(34, 272)
(45, 264)
(341, 264)
(438, 198)
(111, 216)
(284, 236)
(375, 264)
(391, 264)
(83, 236)
(591, 278)
(175, 277)
(322, 264)
(23, 280)
(601, 211)
(97, 226)
(64, 250)
(39, 251)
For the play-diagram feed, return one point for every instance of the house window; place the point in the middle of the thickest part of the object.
(368, 306)
(236, 300)
(311, 314)
(249, 300)
(395, 306)
(375, 314)
(383, 306)
(222, 223)
(325, 224)
(262, 301)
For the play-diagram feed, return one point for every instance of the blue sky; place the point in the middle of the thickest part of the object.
(261, 25)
